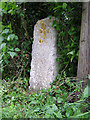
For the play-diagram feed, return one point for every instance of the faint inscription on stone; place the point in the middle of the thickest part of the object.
(44, 67)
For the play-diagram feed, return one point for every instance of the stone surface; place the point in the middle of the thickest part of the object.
(44, 67)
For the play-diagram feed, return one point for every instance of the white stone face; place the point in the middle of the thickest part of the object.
(44, 67)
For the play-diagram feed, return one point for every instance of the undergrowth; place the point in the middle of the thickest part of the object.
(56, 102)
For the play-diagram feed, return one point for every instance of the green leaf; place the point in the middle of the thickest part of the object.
(0, 5)
(69, 112)
(54, 107)
(49, 111)
(2, 45)
(77, 53)
(12, 54)
(11, 37)
(4, 49)
(59, 100)
(88, 76)
(16, 37)
(9, 26)
(34, 102)
(64, 5)
(58, 115)
(72, 58)
(17, 49)
(11, 49)
(71, 53)
(85, 93)
(47, 115)
(1, 39)
(5, 31)
(15, 116)
(73, 28)
(10, 11)
(12, 105)
(1, 57)
(59, 6)
(84, 115)
(37, 110)
(57, 59)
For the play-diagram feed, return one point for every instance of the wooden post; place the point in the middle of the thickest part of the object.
(84, 50)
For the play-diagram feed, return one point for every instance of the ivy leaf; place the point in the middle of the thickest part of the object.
(16, 37)
(64, 5)
(12, 54)
(12, 37)
(59, 100)
(2, 45)
(17, 49)
(5, 31)
(1, 57)
(1, 39)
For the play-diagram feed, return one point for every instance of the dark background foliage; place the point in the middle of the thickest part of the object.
(20, 18)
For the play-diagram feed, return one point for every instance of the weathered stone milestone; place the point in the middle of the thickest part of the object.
(44, 67)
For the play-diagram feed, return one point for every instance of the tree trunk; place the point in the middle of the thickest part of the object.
(84, 50)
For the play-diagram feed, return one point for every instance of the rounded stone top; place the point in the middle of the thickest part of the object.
(45, 22)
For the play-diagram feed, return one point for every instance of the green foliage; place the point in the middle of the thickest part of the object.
(68, 27)
(85, 93)
(18, 20)
(18, 102)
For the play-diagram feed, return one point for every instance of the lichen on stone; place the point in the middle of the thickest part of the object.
(43, 29)
(44, 34)
(43, 26)
(40, 41)
(41, 61)
(41, 36)
(45, 41)
(48, 31)
(40, 30)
